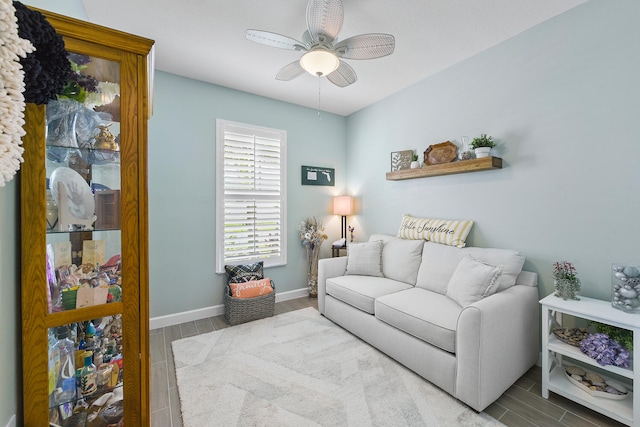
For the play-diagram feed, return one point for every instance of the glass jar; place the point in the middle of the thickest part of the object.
(625, 288)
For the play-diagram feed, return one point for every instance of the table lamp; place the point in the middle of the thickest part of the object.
(343, 205)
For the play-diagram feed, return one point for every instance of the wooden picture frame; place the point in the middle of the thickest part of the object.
(401, 160)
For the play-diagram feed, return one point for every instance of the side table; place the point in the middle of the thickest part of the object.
(335, 250)
(555, 353)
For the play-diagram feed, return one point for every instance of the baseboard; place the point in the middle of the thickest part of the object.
(216, 310)
(12, 421)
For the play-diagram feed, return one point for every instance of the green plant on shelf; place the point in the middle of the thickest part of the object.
(624, 337)
(483, 141)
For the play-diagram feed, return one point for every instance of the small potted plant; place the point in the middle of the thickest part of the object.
(415, 164)
(482, 145)
(566, 282)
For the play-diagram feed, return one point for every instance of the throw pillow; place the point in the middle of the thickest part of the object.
(365, 259)
(244, 273)
(400, 257)
(251, 289)
(472, 280)
(509, 260)
(447, 232)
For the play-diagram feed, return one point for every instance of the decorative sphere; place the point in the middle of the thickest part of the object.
(631, 271)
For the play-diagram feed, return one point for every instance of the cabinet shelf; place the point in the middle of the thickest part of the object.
(619, 410)
(461, 166)
(574, 352)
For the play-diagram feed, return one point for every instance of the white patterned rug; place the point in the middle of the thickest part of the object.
(300, 369)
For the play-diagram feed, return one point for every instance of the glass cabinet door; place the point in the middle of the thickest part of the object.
(83, 187)
(83, 244)
(86, 367)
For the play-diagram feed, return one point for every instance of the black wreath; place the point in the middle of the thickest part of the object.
(46, 70)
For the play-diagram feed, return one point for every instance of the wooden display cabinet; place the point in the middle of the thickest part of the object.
(101, 306)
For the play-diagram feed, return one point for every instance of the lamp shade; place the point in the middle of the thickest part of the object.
(319, 62)
(343, 205)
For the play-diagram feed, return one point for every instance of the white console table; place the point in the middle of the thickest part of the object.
(626, 411)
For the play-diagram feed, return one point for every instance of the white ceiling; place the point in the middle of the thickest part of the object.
(204, 40)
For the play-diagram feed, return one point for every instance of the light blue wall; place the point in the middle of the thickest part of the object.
(563, 101)
(72, 8)
(182, 185)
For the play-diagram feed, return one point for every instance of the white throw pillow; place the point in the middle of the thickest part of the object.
(400, 257)
(509, 260)
(472, 280)
(365, 259)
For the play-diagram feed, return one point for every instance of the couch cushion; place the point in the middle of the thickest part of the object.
(365, 259)
(437, 267)
(472, 280)
(400, 257)
(426, 315)
(361, 291)
(440, 261)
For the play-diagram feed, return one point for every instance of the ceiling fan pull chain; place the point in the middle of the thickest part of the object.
(319, 118)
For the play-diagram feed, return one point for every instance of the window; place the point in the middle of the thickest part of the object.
(250, 195)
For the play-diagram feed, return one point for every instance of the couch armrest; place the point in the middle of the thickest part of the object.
(328, 268)
(497, 341)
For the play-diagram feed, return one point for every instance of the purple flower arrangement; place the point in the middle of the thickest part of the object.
(605, 350)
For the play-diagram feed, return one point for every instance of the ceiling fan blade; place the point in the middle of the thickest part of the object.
(274, 40)
(343, 76)
(324, 19)
(290, 71)
(366, 46)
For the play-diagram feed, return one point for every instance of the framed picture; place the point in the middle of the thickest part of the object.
(314, 175)
(401, 160)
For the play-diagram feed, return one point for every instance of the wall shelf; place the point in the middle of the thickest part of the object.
(462, 166)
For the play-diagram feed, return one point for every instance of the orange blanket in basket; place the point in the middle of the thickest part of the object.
(251, 289)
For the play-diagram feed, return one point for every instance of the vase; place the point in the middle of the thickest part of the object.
(482, 152)
(625, 288)
(415, 164)
(52, 211)
(313, 254)
(465, 153)
(567, 289)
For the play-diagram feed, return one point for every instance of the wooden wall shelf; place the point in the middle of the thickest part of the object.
(462, 166)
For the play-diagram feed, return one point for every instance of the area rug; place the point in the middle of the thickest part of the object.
(300, 369)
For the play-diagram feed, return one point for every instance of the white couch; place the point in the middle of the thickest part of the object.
(422, 311)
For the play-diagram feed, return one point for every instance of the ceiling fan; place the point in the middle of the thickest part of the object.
(323, 52)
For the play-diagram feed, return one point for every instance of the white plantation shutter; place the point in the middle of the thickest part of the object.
(251, 220)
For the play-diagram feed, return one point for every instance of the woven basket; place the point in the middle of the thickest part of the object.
(242, 310)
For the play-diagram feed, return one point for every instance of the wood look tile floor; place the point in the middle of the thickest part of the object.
(520, 406)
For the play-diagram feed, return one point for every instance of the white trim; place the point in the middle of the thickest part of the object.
(216, 310)
(12, 421)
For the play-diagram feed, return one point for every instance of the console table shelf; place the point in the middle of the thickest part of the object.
(461, 166)
(555, 353)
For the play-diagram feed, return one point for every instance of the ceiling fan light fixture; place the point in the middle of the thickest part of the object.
(319, 62)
